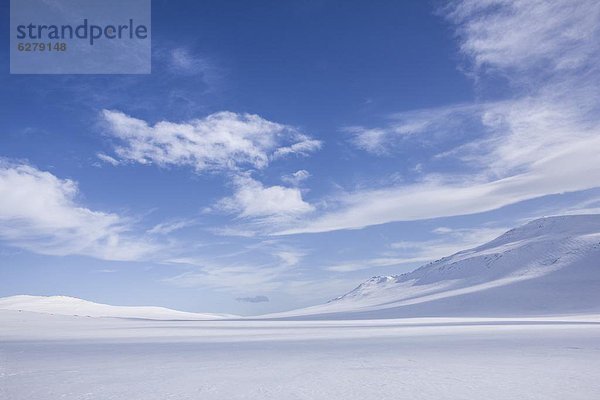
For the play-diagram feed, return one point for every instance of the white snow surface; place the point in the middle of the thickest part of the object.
(64, 305)
(49, 357)
(550, 266)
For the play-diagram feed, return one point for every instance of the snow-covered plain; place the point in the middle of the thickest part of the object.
(516, 318)
(48, 357)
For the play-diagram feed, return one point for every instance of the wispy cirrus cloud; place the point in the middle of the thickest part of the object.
(258, 267)
(541, 141)
(233, 276)
(449, 242)
(182, 60)
(39, 212)
(241, 277)
(303, 146)
(165, 228)
(108, 159)
(528, 36)
(401, 127)
(178, 63)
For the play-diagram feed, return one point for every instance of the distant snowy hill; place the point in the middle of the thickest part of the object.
(64, 305)
(548, 266)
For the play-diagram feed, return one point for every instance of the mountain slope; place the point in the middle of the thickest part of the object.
(64, 305)
(548, 266)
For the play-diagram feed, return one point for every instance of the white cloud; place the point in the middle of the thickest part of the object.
(372, 140)
(528, 35)
(241, 278)
(574, 168)
(588, 206)
(220, 141)
(39, 213)
(450, 242)
(304, 146)
(257, 267)
(357, 265)
(108, 159)
(545, 142)
(165, 228)
(402, 126)
(297, 177)
(290, 257)
(181, 60)
(234, 277)
(253, 200)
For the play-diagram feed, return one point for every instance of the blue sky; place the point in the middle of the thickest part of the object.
(291, 150)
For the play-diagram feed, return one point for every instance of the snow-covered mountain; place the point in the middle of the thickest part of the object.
(64, 305)
(548, 266)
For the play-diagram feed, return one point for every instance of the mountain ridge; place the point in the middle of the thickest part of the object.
(527, 270)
